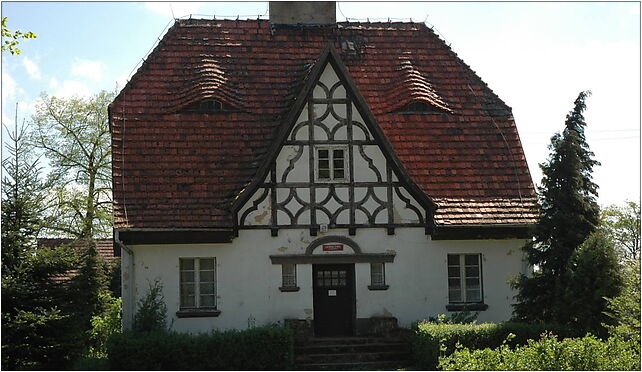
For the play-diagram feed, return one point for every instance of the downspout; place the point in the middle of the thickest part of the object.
(128, 314)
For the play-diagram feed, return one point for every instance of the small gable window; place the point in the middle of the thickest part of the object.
(208, 106)
(417, 106)
(331, 163)
(420, 107)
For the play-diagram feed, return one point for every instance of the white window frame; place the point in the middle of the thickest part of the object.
(378, 285)
(330, 148)
(197, 283)
(462, 278)
(291, 275)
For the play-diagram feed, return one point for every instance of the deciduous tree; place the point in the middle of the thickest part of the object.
(74, 135)
(623, 225)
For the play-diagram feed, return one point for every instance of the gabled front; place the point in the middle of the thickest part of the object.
(331, 166)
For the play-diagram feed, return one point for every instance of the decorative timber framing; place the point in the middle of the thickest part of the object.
(310, 258)
(267, 185)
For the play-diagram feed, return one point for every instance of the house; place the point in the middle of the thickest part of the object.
(304, 169)
(104, 248)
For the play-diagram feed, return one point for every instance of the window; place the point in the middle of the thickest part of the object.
(331, 163)
(464, 278)
(377, 276)
(198, 283)
(288, 278)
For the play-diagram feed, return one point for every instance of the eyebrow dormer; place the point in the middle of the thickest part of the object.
(208, 106)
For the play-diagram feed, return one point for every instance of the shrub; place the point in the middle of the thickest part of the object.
(587, 353)
(151, 315)
(104, 325)
(260, 348)
(433, 339)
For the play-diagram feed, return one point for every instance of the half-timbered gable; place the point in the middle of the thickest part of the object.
(334, 168)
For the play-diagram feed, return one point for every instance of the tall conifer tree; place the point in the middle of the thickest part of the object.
(568, 216)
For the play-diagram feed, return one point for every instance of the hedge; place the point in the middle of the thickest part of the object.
(435, 339)
(548, 353)
(261, 348)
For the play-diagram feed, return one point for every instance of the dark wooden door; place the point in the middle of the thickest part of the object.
(334, 300)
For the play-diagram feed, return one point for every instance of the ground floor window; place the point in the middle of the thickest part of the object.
(377, 276)
(464, 278)
(288, 278)
(198, 283)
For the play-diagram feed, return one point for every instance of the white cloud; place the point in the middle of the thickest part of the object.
(89, 69)
(32, 68)
(180, 8)
(8, 86)
(70, 88)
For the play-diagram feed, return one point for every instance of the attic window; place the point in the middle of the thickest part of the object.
(208, 106)
(420, 107)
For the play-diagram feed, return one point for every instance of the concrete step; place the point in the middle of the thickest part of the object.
(366, 366)
(351, 348)
(380, 356)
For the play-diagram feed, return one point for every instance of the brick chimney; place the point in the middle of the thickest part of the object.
(303, 12)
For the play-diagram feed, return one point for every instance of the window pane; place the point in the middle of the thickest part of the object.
(206, 264)
(323, 154)
(208, 301)
(207, 289)
(454, 295)
(472, 271)
(288, 275)
(453, 259)
(473, 295)
(453, 271)
(187, 276)
(324, 164)
(474, 282)
(472, 259)
(207, 276)
(324, 173)
(188, 301)
(187, 263)
(454, 283)
(338, 173)
(337, 153)
(377, 274)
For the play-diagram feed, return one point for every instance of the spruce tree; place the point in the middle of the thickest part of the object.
(569, 214)
(34, 326)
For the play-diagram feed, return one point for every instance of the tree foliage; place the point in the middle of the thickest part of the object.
(10, 38)
(74, 135)
(624, 309)
(594, 275)
(623, 225)
(568, 216)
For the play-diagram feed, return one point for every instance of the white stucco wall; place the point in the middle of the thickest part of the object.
(248, 282)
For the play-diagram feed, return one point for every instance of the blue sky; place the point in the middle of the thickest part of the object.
(536, 56)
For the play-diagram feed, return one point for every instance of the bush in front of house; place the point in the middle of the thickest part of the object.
(261, 348)
(435, 339)
(576, 354)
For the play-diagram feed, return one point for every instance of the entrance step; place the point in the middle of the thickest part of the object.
(346, 353)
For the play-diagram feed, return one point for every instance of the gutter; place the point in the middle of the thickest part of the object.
(131, 308)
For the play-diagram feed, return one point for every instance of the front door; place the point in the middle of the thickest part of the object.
(334, 299)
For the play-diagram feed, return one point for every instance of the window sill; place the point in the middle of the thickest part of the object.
(289, 289)
(198, 313)
(467, 306)
(378, 287)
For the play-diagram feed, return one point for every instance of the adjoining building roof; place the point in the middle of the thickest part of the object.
(104, 248)
(178, 169)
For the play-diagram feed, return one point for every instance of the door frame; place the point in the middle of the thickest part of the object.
(351, 273)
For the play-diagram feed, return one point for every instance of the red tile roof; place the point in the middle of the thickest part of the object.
(183, 170)
(104, 248)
